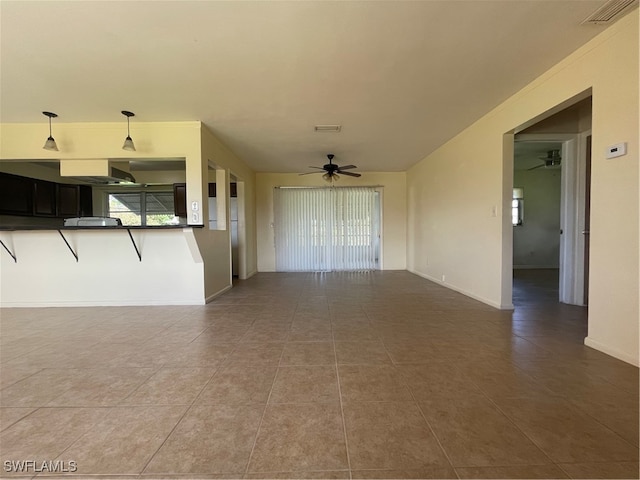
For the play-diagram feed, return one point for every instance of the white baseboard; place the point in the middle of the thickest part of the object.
(250, 274)
(625, 357)
(486, 301)
(210, 298)
(98, 303)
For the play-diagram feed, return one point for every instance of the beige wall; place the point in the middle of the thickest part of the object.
(453, 191)
(394, 212)
(216, 153)
(188, 140)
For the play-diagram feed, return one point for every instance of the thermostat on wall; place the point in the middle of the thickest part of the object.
(617, 150)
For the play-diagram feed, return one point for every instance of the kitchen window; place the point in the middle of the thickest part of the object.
(142, 208)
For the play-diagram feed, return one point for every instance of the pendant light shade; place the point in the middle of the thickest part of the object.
(128, 142)
(50, 144)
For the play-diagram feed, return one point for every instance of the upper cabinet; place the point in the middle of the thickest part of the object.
(16, 194)
(32, 197)
(44, 198)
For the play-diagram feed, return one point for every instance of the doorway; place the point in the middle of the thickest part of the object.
(551, 172)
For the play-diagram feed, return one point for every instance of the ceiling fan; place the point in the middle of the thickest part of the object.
(331, 170)
(552, 159)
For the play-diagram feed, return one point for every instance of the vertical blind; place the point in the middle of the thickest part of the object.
(326, 229)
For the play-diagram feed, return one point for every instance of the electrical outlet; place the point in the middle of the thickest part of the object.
(194, 206)
(194, 217)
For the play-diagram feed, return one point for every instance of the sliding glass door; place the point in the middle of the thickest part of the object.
(327, 229)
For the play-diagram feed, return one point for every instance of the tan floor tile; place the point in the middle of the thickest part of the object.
(302, 331)
(171, 386)
(305, 384)
(614, 408)
(209, 439)
(333, 475)
(354, 332)
(39, 389)
(200, 353)
(10, 415)
(266, 333)
(238, 385)
(308, 353)
(10, 375)
(379, 383)
(46, 433)
(257, 354)
(504, 380)
(627, 470)
(125, 440)
(102, 387)
(216, 334)
(361, 353)
(474, 432)
(294, 438)
(433, 472)
(390, 436)
(437, 381)
(565, 434)
(512, 472)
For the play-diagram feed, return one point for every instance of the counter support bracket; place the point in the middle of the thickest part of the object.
(134, 245)
(9, 252)
(68, 246)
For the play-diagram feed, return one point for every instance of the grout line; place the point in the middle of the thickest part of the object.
(344, 422)
(189, 407)
(264, 412)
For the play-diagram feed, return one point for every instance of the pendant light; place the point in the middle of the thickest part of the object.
(128, 143)
(50, 144)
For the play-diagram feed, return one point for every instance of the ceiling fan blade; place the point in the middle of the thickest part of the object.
(347, 167)
(321, 168)
(351, 174)
(539, 166)
(308, 173)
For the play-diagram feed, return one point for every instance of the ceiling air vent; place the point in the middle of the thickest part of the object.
(609, 11)
(327, 128)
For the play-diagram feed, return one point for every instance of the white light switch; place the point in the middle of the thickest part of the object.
(617, 150)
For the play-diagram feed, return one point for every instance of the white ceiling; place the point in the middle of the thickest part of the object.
(401, 77)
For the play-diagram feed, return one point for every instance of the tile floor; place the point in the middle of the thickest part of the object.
(370, 375)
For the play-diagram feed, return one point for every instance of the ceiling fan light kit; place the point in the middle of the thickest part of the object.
(552, 159)
(331, 170)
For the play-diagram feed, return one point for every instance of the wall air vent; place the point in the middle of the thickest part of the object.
(327, 128)
(609, 12)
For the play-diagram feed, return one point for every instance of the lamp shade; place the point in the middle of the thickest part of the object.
(128, 145)
(50, 144)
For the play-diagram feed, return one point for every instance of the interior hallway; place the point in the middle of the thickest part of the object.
(345, 375)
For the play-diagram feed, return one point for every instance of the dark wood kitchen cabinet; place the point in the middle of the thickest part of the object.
(31, 197)
(180, 199)
(74, 200)
(16, 195)
(68, 200)
(44, 198)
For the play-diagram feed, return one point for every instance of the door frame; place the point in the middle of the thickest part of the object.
(572, 211)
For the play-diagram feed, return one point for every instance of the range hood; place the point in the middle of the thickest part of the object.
(114, 175)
